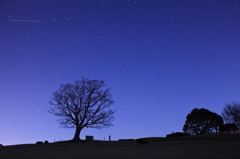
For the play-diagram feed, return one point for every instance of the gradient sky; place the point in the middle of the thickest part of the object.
(161, 59)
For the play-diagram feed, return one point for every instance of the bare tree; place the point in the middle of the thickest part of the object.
(231, 113)
(82, 104)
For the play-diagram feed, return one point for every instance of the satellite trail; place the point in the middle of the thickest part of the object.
(32, 21)
(61, 49)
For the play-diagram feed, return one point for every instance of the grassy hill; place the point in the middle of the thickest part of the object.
(187, 147)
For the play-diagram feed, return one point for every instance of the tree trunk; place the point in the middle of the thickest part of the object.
(77, 134)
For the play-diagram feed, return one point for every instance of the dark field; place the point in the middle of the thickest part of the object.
(199, 147)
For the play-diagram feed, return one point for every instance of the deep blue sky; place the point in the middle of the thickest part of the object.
(160, 58)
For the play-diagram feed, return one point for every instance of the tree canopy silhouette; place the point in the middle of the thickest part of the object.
(200, 121)
(231, 113)
(82, 104)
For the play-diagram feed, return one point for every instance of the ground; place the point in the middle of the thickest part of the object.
(198, 148)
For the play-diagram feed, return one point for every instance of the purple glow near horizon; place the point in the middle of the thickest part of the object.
(161, 59)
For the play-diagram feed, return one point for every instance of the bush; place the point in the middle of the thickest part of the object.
(46, 142)
(227, 128)
(39, 142)
(177, 134)
(141, 141)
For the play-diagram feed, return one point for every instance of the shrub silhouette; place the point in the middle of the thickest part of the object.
(177, 134)
(227, 128)
(46, 142)
(141, 141)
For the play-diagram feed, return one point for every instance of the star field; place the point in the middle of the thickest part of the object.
(161, 59)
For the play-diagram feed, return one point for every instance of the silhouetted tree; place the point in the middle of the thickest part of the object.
(82, 104)
(231, 113)
(200, 121)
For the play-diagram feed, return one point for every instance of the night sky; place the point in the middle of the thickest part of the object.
(161, 59)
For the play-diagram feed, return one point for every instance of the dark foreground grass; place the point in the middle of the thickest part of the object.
(204, 147)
